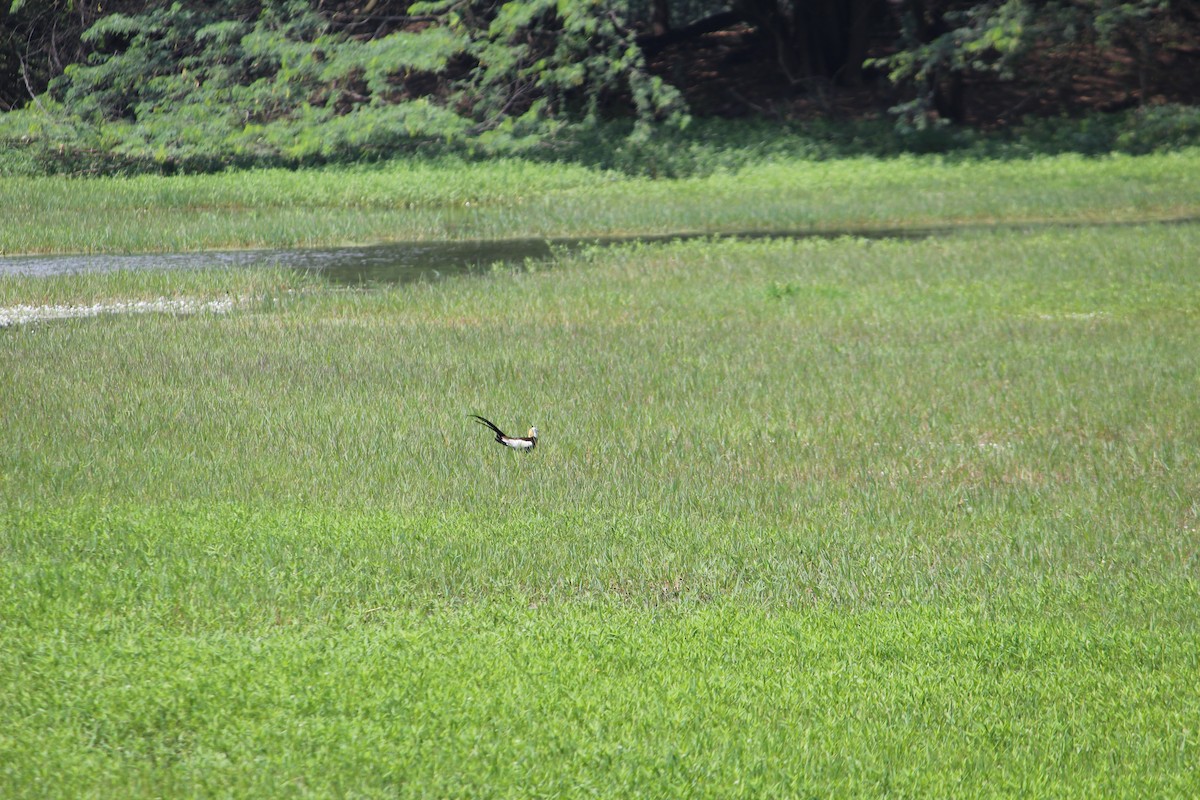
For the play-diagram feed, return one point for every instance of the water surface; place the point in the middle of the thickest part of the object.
(405, 262)
(398, 262)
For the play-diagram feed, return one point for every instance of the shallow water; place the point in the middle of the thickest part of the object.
(387, 263)
(405, 262)
(401, 262)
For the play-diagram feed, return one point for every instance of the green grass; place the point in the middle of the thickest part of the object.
(712, 701)
(808, 518)
(511, 198)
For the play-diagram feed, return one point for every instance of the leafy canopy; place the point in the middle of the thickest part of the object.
(189, 85)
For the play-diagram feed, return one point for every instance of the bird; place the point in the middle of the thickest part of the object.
(523, 443)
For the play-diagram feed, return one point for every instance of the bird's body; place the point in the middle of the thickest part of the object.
(523, 443)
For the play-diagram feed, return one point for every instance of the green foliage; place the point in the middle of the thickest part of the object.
(1158, 128)
(209, 91)
(1143, 130)
(939, 42)
(985, 36)
(196, 87)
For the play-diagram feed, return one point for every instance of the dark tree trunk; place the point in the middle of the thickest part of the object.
(660, 17)
(945, 88)
(818, 39)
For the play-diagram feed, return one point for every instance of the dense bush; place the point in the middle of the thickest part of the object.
(197, 87)
(703, 147)
(186, 87)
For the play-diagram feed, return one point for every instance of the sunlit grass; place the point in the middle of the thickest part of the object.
(807, 518)
(510, 198)
(264, 283)
(715, 701)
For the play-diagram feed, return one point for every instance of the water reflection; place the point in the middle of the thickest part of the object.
(401, 262)
(406, 262)
(409, 262)
(386, 263)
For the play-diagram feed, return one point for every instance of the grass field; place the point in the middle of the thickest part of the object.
(897, 518)
(510, 198)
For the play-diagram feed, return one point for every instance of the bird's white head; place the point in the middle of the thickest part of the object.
(532, 432)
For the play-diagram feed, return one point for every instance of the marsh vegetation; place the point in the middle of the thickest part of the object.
(806, 517)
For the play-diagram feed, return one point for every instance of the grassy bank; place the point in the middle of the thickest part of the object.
(911, 517)
(511, 198)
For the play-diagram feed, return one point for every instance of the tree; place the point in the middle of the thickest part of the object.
(191, 85)
(37, 41)
(942, 42)
(197, 85)
(549, 59)
(816, 39)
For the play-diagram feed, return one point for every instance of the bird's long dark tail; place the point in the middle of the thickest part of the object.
(489, 423)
